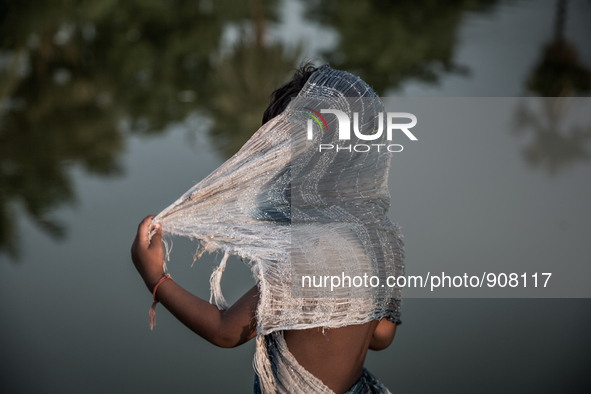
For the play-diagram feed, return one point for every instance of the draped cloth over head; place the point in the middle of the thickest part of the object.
(293, 211)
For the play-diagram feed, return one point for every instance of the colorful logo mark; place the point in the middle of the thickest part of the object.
(317, 120)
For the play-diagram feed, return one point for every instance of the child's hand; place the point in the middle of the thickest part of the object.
(148, 256)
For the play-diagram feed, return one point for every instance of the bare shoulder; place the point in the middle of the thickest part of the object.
(382, 335)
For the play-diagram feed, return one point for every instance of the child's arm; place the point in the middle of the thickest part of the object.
(228, 328)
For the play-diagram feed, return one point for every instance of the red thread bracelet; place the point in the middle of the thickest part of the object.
(153, 308)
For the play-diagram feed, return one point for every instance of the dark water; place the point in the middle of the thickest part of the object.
(109, 111)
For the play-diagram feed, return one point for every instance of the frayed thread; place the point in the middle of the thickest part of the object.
(167, 248)
(215, 284)
(262, 366)
(199, 252)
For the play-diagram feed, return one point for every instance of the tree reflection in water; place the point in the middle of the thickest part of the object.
(555, 144)
(78, 76)
(558, 75)
(389, 42)
(72, 72)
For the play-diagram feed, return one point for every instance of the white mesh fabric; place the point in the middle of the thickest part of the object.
(290, 210)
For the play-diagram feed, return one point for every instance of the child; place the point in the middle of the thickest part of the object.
(328, 360)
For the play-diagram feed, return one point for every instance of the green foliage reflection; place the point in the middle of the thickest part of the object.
(389, 42)
(77, 76)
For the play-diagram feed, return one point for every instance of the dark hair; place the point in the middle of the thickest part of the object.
(281, 97)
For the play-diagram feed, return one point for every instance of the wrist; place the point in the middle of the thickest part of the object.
(153, 307)
(152, 280)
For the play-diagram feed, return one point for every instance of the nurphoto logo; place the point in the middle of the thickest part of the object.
(345, 130)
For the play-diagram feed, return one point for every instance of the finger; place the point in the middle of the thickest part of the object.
(145, 222)
(143, 231)
(157, 237)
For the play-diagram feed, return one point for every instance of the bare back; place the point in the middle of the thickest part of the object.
(336, 356)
